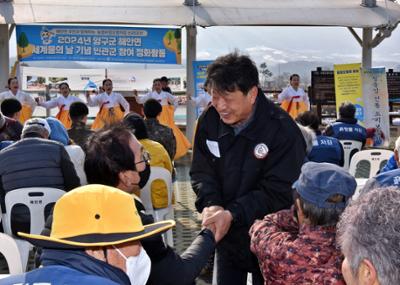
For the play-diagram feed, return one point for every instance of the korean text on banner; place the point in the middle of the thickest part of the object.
(99, 43)
(200, 75)
(376, 100)
(348, 87)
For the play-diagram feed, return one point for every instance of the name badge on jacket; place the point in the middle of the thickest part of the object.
(213, 148)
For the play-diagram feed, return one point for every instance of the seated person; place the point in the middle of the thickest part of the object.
(369, 237)
(394, 160)
(95, 239)
(158, 157)
(346, 127)
(34, 161)
(114, 157)
(298, 246)
(10, 127)
(59, 133)
(309, 138)
(79, 132)
(325, 149)
(156, 131)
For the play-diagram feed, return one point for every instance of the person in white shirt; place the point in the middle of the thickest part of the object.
(63, 102)
(202, 101)
(169, 103)
(113, 106)
(293, 99)
(26, 100)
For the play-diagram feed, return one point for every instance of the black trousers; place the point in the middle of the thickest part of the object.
(227, 274)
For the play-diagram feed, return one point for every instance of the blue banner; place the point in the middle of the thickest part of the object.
(97, 43)
(200, 75)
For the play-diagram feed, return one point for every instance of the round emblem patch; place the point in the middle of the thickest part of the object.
(261, 151)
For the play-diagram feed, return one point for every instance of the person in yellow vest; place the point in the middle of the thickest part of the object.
(26, 100)
(293, 99)
(63, 102)
(169, 104)
(113, 106)
(158, 157)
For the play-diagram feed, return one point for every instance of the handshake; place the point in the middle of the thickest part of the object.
(218, 220)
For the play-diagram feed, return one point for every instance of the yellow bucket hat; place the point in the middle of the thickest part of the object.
(96, 215)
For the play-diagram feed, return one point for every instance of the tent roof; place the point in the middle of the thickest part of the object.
(209, 13)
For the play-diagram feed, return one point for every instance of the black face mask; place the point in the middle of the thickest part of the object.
(144, 176)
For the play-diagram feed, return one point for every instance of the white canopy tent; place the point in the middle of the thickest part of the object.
(367, 14)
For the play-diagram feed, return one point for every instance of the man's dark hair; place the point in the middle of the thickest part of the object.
(107, 154)
(156, 79)
(152, 108)
(10, 106)
(321, 216)
(136, 123)
(164, 79)
(347, 110)
(232, 72)
(78, 111)
(63, 83)
(308, 119)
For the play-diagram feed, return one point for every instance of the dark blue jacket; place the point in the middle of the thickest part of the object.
(387, 179)
(347, 129)
(62, 267)
(390, 165)
(327, 149)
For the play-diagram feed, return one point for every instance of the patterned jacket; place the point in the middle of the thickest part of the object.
(79, 133)
(288, 254)
(163, 135)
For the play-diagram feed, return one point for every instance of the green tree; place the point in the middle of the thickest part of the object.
(265, 72)
(178, 35)
(23, 41)
(169, 36)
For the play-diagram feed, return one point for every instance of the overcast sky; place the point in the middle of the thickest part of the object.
(284, 44)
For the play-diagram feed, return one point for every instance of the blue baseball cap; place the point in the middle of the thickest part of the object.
(319, 181)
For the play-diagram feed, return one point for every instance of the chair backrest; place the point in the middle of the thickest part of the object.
(145, 193)
(350, 148)
(10, 251)
(36, 199)
(367, 163)
(77, 156)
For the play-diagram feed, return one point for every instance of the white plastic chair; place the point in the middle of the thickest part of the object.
(9, 249)
(145, 196)
(77, 156)
(36, 199)
(350, 147)
(372, 158)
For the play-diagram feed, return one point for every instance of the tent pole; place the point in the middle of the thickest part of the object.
(4, 56)
(190, 57)
(367, 48)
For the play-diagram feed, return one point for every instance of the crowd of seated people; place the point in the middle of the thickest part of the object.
(325, 237)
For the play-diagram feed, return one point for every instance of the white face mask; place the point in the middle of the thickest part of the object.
(137, 267)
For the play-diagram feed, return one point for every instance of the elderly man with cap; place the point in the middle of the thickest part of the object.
(34, 161)
(95, 239)
(298, 246)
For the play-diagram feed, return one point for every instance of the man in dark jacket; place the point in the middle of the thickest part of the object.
(34, 161)
(346, 127)
(10, 127)
(157, 132)
(247, 154)
(79, 132)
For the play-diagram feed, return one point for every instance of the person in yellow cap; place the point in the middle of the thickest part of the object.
(63, 102)
(95, 239)
(113, 106)
(26, 100)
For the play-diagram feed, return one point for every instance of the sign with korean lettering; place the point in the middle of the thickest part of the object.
(348, 87)
(200, 75)
(99, 43)
(376, 101)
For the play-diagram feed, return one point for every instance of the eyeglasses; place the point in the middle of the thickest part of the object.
(146, 158)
